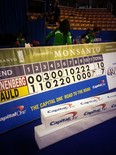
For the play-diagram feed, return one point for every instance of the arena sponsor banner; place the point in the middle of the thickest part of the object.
(55, 116)
(39, 77)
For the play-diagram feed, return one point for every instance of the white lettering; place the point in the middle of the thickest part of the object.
(77, 52)
(5, 73)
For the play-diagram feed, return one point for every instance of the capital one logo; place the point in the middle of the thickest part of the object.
(14, 112)
(65, 118)
(100, 84)
(95, 110)
(60, 108)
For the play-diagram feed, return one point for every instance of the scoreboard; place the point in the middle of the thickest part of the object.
(37, 77)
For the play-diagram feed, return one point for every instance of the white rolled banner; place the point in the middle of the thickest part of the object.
(55, 116)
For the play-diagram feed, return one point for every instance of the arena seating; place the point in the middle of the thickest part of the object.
(82, 19)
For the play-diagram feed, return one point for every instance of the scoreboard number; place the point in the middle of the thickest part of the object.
(48, 75)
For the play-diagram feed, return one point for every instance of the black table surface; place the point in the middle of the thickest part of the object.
(98, 140)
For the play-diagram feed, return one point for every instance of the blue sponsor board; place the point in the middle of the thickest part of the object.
(21, 111)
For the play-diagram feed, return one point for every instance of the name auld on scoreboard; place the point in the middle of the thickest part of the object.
(12, 88)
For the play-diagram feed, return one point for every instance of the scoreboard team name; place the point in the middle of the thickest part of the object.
(12, 88)
(12, 83)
